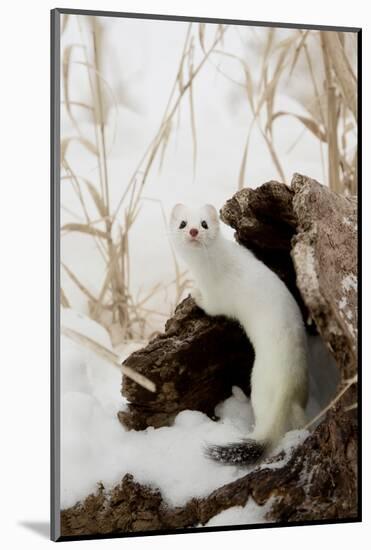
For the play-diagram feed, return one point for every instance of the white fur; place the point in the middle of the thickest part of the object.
(231, 281)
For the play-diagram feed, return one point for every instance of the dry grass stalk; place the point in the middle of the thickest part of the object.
(108, 356)
(113, 241)
(325, 108)
(77, 282)
(342, 69)
(332, 120)
(171, 110)
(348, 384)
(111, 230)
(64, 299)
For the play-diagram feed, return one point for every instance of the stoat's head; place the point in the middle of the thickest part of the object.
(193, 228)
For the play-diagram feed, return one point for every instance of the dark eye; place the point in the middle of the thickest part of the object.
(182, 224)
(204, 224)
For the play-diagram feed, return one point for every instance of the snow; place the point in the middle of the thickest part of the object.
(83, 373)
(303, 253)
(95, 447)
(344, 308)
(284, 449)
(251, 513)
(349, 283)
(350, 223)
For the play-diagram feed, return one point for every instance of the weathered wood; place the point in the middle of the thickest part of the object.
(308, 235)
(194, 365)
(265, 223)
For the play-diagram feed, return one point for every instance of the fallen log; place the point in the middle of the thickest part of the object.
(194, 364)
(308, 235)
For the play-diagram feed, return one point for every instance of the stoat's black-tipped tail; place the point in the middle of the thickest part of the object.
(243, 453)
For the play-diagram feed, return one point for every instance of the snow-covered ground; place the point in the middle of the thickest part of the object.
(95, 447)
(251, 513)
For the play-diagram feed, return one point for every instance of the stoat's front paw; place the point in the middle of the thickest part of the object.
(197, 296)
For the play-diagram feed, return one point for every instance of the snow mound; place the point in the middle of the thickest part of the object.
(95, 447)
(249, 514)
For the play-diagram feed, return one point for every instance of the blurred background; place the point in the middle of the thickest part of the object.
(159, 112)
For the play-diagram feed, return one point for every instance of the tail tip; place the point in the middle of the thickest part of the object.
(243, 453)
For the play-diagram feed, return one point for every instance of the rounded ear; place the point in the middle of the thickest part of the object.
(176, 211)
(212, 212)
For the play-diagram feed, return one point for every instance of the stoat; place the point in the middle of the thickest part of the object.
(231, 281)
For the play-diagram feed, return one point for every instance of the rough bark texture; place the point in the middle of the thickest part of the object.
(325, 257)
(265, 223)
(194, 364)
(307, 234)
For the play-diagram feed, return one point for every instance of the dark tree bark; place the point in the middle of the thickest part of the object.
(265, 223)
(195, 354)
(307, 234)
